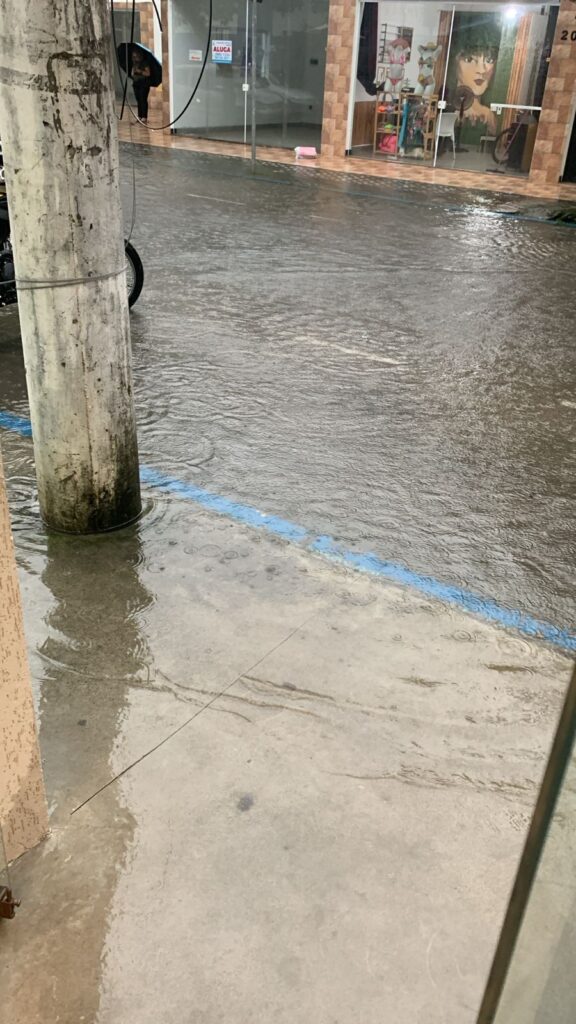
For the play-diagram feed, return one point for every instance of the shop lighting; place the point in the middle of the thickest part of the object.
(511, 13)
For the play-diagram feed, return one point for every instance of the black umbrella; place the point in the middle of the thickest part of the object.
(126, 53)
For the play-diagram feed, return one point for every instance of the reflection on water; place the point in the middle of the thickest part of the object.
(85, 624)
(93, 654)
(86, 606)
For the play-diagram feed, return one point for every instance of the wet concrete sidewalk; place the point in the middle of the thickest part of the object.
(280, 790)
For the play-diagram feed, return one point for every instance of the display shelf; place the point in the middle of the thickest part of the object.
(411, 120)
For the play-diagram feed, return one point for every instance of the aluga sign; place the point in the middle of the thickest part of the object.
(222, 51)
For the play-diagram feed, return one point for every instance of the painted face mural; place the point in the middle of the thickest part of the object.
(475, 71)
(476, 48)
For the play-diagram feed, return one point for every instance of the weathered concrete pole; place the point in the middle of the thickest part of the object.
(58, 131)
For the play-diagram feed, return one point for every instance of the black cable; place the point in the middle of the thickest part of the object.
(125, 89)
(114, 37)
(158, 15)
(129, 57)
(170, 124)
(124, 94)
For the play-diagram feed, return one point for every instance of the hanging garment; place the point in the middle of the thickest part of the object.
(367, 48)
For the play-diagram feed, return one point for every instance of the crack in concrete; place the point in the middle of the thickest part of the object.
(205, 707)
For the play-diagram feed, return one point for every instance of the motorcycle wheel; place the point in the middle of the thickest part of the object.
(134, 273)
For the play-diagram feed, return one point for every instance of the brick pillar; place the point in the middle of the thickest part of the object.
(339, 49)
(23, 814)
(558, 103)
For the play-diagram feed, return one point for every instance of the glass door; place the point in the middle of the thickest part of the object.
(290, 58)
(493, 86)
(291, 38)
(457, 86)
(401, 66)
(220, 109)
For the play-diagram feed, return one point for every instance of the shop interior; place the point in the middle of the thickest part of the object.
(451, 85)
(290, 56)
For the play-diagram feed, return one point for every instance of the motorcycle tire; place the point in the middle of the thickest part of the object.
(134, 273)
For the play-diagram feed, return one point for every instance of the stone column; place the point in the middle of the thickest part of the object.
(558, 103)
(339, 49)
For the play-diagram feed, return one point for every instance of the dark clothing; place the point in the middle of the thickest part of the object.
(368, 49)
(141, 91)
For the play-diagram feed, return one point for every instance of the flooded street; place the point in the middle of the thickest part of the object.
(388, 364)
(271, 778)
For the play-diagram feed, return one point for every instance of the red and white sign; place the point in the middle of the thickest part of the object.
(222, 51)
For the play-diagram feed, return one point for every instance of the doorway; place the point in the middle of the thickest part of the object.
(290, 56)
(453, 85)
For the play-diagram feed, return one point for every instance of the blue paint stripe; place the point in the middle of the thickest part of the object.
(484, 608)
(224, 506)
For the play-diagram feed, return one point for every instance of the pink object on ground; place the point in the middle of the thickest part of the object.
(305, 151)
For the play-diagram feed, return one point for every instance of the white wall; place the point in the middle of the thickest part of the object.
(422, 18)
(158, 34)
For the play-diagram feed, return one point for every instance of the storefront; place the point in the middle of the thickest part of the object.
(476, 86)
(453, 85)
(290, 56)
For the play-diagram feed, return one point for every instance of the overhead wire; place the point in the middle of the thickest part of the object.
(126, 103)
(124, 95)
(169, 124)
(158, 15)
(132, 31)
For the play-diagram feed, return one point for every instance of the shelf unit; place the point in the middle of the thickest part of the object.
(386, 121)
(420, 132)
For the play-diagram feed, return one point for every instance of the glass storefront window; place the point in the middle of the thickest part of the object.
(220, 108)
(290, 83)
(451, 85)
(290, 55)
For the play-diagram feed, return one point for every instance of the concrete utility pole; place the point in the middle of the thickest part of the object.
(58, 131)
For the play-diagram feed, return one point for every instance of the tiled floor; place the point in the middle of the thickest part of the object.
(353, 165)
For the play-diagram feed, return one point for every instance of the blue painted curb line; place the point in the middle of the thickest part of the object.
(484, 608)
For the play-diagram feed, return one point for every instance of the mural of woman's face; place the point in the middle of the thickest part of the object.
(475, 71)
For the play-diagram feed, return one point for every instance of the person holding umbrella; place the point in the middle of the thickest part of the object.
(145, 71)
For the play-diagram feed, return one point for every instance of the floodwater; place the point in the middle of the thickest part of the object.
(389, 364)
